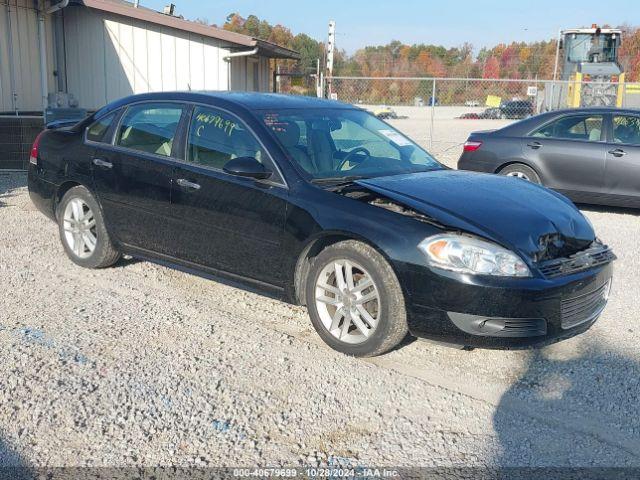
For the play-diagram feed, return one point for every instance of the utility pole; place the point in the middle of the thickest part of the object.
(331, 45)
(319, 89)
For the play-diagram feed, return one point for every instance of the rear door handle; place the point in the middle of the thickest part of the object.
(98, 162)
(618, 152)
(534, 145)
(187, 184)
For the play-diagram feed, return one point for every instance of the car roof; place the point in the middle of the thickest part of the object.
(526, 125)
(596, 110)
(247, 100)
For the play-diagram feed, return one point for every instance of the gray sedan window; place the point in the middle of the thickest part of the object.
(574, 127)
(626, 129)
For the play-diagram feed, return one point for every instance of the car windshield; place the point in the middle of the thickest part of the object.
(341, 144)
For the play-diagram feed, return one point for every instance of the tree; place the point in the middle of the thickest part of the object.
(491, 68)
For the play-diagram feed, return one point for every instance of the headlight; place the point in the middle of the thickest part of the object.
(466, 254)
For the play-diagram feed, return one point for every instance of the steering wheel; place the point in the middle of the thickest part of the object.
(352, 153)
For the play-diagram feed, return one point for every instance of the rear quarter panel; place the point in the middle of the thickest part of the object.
(496, 152)
(62, 157)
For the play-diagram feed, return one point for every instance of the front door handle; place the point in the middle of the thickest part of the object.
(184, 183)
(618, 152)
(98, 162)
(534, 145)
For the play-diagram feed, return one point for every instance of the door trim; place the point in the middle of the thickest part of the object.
(198, 269)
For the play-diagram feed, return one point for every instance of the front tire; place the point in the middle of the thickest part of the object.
(522, 171)
(355, 300)
(82, 230)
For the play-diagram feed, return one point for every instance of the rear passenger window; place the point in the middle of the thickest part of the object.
(215, 137)
(150, 128)
(98, 130)
(575, 127)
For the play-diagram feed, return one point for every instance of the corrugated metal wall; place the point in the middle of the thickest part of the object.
(250, 74)
(111, 56)
(22, 35)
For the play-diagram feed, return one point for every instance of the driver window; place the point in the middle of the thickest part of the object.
(626, 129)
(215, 137)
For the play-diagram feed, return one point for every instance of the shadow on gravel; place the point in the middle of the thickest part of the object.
(571, 411)
(12, 466)
(8, 183)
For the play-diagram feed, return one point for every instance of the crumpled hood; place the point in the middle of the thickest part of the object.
(515, 213)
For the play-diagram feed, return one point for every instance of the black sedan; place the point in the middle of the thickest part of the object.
(590, 155)
(324, 205)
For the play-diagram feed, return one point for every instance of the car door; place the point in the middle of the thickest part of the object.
(570, 153)
(132, 176)
(622, 176)
(226, 222)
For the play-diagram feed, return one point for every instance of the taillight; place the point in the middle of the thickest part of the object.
(33, 156)
(471, 146)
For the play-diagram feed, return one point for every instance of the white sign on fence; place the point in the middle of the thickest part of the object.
(532, 91)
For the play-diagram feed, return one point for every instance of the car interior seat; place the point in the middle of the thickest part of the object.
(244, 145)
(208, 146)
(148, 138)
(625, 134)
(322, 148)
(595, 134)
(289, 134)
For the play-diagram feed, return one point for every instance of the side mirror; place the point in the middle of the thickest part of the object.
(247, 167)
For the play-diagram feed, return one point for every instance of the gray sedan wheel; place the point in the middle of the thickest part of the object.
(521, 171)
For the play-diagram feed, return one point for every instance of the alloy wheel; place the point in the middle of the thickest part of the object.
(518, 175)
(347, 301)
(79, 226)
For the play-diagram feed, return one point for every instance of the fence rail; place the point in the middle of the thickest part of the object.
(542, 95)
(434, 110)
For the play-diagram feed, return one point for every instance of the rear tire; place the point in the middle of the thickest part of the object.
(369, 298)
(82, 230)
(522, 171)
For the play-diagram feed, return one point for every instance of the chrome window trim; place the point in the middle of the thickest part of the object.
(182, 149)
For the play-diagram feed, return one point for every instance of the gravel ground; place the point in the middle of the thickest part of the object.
(142, 365)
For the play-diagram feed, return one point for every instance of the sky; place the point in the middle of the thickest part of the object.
(449, 23)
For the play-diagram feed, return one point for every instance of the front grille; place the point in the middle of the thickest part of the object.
(591, 257)
(583, 308)
(523, 327)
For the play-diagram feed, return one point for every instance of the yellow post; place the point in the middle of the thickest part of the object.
(575, 91)
(621, 89)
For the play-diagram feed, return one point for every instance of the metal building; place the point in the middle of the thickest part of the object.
(87, 53)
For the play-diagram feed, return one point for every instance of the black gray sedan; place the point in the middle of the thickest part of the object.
(590, 155)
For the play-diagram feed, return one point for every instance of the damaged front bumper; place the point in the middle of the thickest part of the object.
(490, 312)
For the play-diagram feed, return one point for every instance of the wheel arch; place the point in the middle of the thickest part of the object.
(519, 162)
(316, 245)
(62, 190)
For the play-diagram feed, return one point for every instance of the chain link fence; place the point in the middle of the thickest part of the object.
(440, 113)
(542, 95)
(295, 83)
